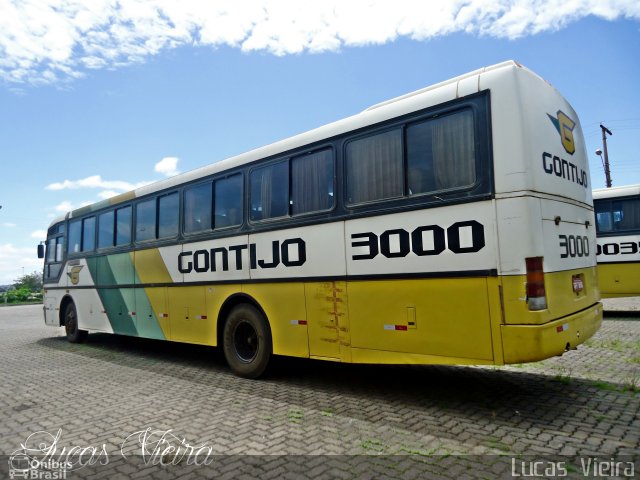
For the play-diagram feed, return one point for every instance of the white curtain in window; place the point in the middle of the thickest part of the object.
(453, 151)
(374, 167)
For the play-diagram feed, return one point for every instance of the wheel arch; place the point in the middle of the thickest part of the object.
(66, 300)
(229, 304)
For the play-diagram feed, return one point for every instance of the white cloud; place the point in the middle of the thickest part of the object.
(94, 181)
(108, 194)
(13, 259)
(64, 207)
(39, 234)
(167, 166)
(47, 41)
(9, 225)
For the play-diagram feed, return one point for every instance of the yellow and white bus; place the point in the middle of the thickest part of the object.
(451, 225)
(618, 231)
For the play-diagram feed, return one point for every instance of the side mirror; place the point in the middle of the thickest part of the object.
(41, 250)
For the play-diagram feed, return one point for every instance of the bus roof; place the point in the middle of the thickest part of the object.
(613, 192)
(429, 96)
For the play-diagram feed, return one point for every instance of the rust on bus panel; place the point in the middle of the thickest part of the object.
(329, 335)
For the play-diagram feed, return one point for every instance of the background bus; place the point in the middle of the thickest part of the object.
(618, 230)
(450, 225)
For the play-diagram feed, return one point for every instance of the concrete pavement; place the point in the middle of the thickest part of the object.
(311, 419)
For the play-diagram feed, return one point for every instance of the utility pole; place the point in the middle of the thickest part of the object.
(607, 171)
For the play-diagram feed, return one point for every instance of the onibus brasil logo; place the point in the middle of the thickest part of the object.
(40, 457)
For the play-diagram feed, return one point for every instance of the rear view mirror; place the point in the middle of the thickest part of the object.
(41, 250)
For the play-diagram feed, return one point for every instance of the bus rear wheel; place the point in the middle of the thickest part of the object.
(247, 341)
(74, 334)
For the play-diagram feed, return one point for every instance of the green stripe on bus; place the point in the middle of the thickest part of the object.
(116, 302)
(128, 309)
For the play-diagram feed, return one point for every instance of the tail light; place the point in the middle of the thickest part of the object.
(536, 295)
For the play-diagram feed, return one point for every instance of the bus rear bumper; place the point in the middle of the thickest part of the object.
(530, 343)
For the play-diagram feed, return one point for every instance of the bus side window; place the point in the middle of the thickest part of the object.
(168, 215)
(105, 229)
(146, 220)
(626, 214)
(441, 153)
(374, 167)
(123, 226)
(228, 201)
(89, 234)
(603, 221)
(59, 247)
(312, 182)
(197, 208)
(75, 230)
(270, 191)
(51, 250)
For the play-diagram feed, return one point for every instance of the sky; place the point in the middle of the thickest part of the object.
(100, 97)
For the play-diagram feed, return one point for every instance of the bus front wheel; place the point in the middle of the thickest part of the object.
(74, 334)
(247, 341)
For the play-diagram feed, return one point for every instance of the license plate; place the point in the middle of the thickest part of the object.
(578, 284)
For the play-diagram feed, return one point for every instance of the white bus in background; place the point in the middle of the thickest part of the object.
(451, 225)
(618, 228)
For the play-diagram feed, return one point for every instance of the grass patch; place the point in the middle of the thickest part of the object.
(613, 344)
(295, 416)
(631, 383)
(498, 445)
(417, 451)
(602, 385)
(373, 445)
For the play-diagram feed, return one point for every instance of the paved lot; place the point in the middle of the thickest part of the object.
(313, 419)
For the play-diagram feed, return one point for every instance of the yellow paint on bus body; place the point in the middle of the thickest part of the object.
(529, 343)
(466, 320)
(443, 317)
(561, 299)
(150, 269)
(284, 306)
(619, 279)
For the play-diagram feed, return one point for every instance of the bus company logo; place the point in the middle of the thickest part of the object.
(74, 274)
(564, 125)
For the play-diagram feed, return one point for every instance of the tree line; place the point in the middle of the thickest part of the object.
(27, 288)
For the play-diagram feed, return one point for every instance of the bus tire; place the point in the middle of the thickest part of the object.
(74, 334)
(247, 341)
